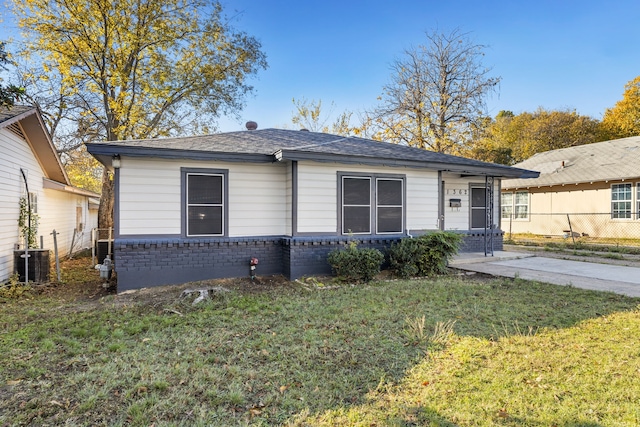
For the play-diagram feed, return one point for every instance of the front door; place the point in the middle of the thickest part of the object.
(478, 207)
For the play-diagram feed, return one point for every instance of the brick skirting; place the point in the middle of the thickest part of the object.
(153, 262)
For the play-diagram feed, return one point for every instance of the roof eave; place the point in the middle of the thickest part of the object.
(54, 185)
(104, 153)
(477, 170)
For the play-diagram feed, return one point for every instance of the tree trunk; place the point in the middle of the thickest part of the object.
(105, 211)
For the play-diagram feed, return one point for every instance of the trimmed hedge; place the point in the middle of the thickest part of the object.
(355, 264)
(425, 255)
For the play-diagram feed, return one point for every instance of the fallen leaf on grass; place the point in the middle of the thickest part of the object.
(14, 382)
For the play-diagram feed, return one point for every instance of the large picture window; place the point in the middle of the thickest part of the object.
(205, 209)
(372, 203)
(621, 198)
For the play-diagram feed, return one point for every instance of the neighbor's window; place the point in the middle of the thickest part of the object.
(205, 204)
(638, 200)
(515, 205)
(621, 201)
(521, 205)
(506, 205)
(368, 200)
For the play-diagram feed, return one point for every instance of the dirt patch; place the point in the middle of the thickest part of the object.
(82, 289)
(81, 286)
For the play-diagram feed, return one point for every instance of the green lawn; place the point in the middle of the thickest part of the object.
(444, 352)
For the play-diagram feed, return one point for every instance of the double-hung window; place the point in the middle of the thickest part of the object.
(506, 205)
(515, 205)
(372, 204)
(621, 198)
(205, 203)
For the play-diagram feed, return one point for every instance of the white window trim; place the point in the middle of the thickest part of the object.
(503, 205)
(526, 218)
(513, 205)
(612, 202)
(637, 204)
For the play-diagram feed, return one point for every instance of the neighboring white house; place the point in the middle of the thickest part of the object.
(201, 207)
(589, 190)
(28, 159)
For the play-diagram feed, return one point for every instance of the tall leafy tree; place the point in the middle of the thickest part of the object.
(623, 119)
(8, 93)
(133, 69)
(437, 93)
(510, 138)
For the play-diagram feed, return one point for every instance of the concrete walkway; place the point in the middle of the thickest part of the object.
(587, 275)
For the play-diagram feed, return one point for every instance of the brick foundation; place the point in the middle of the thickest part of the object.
(153, 262)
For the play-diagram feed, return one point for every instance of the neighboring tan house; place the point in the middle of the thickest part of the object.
(28, 158)
(588, 190)
(201, 207)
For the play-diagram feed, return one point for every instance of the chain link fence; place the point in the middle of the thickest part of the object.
(573, 228)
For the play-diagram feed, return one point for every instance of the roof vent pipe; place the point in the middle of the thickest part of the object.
(251, 125)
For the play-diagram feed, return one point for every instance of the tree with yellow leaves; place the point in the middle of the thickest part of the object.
(133, 69)
(310, 115)
(510, 139)
(623, 119)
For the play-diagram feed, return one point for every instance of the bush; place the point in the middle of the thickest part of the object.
(425, 255)
(355, 264)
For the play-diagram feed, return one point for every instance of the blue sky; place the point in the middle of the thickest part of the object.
(553, 54)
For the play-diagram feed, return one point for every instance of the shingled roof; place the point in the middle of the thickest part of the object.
(602, 161)
(9, 115)
(269, 145)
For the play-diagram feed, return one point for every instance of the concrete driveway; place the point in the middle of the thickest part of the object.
(621, 279)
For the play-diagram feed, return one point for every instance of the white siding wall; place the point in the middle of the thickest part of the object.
(457, 187)
(56, 209)
(318, 195)
(150, 198)
(14, 154)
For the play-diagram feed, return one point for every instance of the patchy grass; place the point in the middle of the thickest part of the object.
(593, 244)
(447, 351)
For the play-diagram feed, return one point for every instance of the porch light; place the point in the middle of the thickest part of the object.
(115, 161)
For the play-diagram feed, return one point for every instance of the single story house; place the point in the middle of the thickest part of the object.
(30, 167)
(202, 207)
(588, 190)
